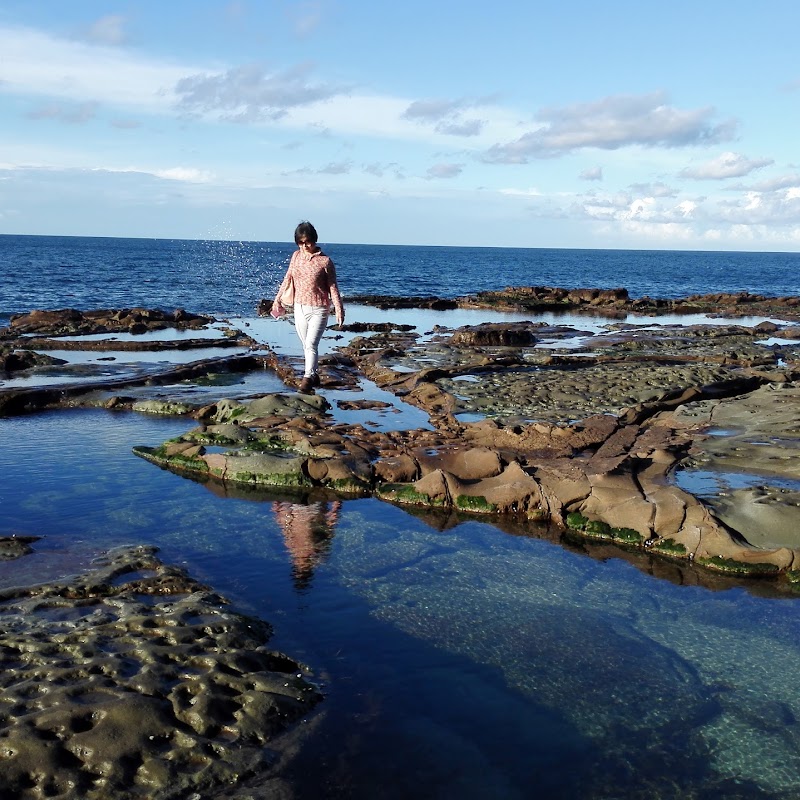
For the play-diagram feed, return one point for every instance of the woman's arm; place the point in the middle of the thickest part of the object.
(333, 289)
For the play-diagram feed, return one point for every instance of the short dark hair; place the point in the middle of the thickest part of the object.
(305, 230)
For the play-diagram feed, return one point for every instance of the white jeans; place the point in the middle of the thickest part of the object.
(310, 322)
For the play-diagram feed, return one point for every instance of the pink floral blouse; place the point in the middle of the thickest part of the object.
(314, 279)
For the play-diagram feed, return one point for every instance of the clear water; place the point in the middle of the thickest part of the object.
(706, 483)
(456, 662)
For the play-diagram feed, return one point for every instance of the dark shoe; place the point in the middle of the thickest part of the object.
(306, 386)
(315, 381)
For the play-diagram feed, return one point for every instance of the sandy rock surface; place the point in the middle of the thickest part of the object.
(757, 435)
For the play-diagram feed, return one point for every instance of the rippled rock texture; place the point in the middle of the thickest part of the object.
(134, 681)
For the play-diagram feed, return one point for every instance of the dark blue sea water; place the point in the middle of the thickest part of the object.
(230, 277)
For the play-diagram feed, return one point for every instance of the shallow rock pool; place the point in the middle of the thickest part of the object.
(457, 661)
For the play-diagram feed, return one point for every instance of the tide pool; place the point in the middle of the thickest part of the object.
(456, 660)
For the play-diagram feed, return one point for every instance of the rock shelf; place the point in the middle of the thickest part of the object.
(586, 433)
(134, 680)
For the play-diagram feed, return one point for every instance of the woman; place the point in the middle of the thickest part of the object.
(314, 278)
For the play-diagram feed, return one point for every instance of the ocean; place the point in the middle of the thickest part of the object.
(227, 277)
(458, 660)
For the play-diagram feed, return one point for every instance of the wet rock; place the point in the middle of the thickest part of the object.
(400, 468)
(362, 405)
(388, 301)
(281, 404)
(164, 407)
(496, 334)
(362, 327)
(587, 441)
(16, 360)
(236, 339)
(70, 321)
(614, 301)
(466, 463)
(12, 547)
(276, 451)
(133, 680)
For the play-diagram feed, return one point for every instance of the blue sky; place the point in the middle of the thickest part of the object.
(526, 124)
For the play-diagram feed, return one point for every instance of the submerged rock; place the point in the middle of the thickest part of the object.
(12, 547)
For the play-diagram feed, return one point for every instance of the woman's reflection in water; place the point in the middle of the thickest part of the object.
(307, 532)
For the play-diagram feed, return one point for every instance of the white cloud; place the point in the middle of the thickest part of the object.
(521, 192)
(623, 207)
(658, 189)
(250, 94)
(74, 114)
(727, 165)
(37, 64)
(757, 208)
(184, 174)
(772, 184)
(337, 168)
(592, 174)
(446, 116)
(107, 30)
(611, 123)
(444, 171)
(461, 127)
(181, 174)
(664, 232)
(378, 169)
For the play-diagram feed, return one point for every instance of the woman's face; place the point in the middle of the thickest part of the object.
(306, 245)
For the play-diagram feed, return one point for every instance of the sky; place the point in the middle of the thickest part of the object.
(511, 123)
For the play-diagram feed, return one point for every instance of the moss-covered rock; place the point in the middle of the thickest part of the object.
(193, 462)
(165, 407)
(406, 493)
(735, 567)
(627, 536)
(597, 529)
(268, 469)
(669, 547)
(576, 521)
(477, 503)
